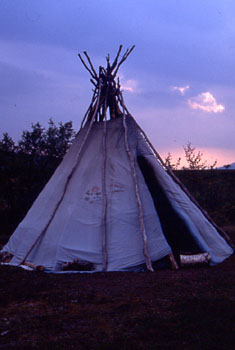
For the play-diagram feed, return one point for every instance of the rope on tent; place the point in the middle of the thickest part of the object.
(140, 211)
(104, 214)
(68, 179)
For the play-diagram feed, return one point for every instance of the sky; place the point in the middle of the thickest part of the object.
(178, 83)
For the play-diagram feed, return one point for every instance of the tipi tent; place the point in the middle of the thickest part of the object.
(111, 204)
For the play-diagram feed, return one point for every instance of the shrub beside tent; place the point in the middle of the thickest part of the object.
(111, 205)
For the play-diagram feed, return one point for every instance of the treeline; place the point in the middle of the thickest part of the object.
(214, 190)
(194, 160)
(26, 167)
(52, 142)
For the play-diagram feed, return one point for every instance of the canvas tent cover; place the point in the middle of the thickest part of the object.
(76, 230)
(111, 203)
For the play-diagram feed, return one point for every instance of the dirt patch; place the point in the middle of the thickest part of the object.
(185, 309)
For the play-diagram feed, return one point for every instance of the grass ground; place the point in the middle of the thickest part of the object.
(186, 309)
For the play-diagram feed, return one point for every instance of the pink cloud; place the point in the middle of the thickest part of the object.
(181, 89)
(206, 102)
(129, 85)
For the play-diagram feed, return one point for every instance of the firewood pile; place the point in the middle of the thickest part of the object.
(77, 265)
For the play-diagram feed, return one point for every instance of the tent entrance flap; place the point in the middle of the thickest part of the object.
(175, 229)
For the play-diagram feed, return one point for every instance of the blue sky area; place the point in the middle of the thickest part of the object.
(178, 83)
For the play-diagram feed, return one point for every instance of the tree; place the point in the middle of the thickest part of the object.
(26, 168)
(227, 166)
(52, 142)
(58, 139)
(194, 159)
(33, 142)
(7, 144)
(168, 162)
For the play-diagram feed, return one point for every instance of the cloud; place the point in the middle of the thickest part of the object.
(206, 102)
(130, 85)
(181, 89)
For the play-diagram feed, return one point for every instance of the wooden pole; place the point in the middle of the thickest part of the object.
(88, 110)
(126, 54)
(104, 214)
(39, 268)
(173, 262)
(91, 65)
(94, 76)
(116, 59)
(139, 206)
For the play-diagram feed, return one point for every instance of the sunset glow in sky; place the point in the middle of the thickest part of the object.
(178, 83)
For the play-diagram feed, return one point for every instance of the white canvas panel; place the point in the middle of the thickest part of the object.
(42, 209)
(124, 240)
(201, 229)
